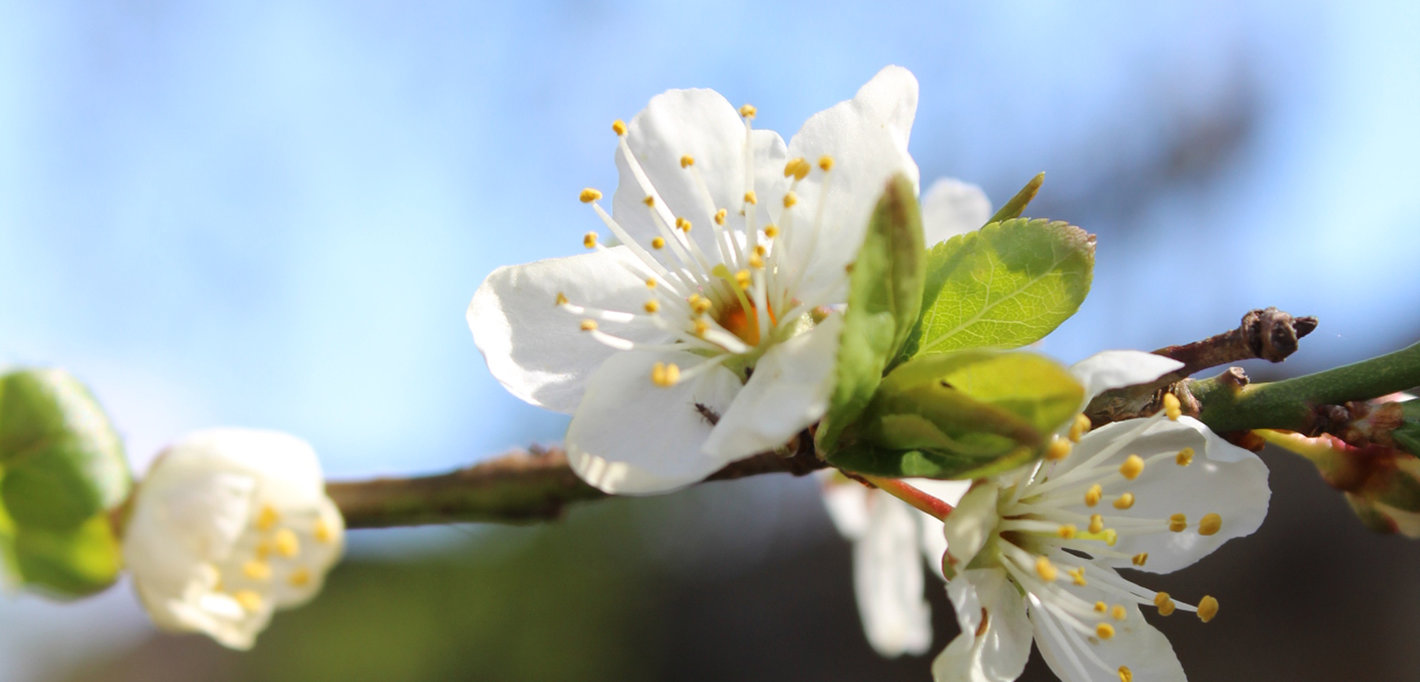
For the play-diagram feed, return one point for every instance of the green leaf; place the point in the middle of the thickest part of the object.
(884, 299)
(961, 415)
(1017, 205)
(1003, 286)
(62, 471)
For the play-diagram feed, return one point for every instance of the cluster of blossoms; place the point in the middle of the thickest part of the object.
(228, 526)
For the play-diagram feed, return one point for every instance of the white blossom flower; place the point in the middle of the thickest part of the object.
(691, 342)
(229, 525)
(1032, 555)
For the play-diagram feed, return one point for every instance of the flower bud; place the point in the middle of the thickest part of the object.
(1381, 483)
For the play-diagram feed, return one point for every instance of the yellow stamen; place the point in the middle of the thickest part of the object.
(589, 240)
(619, 127)
(699, 304)
(589, 195)
(324, 534)
(1172, 407)
(1101, 607)
(561, 300)
(1209, 524)
(1077, 575)
(771, 231)
(266, 519)
(658, 243)
(748, 111)
(1078, 429)
(1139, 559)
(1104, 630)
(589, 325)
(1125, 674)
(1045, 569)
(720, 216)
(1178, 523)
(1164, 603)
(1118, 612)
(798, 168)
(248, 599)
(790, 199)
(1185, 456)
(650, 283)
(256, 570)
(1125, 501)
(742, 279)
(687, 161)
(1059, 449)
(665, 375)
(701, 326)
(286, 543)
(1131, 468)
(1110, 536)
(649, 201)
(1096, 523)
(263, 550)
(756, 261)
(751, 198)
(299, 578)
(682, 224)
(1067, 531)
(826, 163)
(1207, 608)
(1093, 495)
(651, 306)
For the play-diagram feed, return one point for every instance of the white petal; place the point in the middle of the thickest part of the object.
(887, 579)
(867, 138)
(951, 207)
(537, 350)
(933, 540)
(1135, 644)
(700, 124)
(631, 437)
(997, 654)
(972, 522)
(1119, 368)
(788, 391)
(847, 502)
(1222, 479)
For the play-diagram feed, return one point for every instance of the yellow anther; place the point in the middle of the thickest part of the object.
(249, 599)
(299, 578)
(1093, 495)
(589, 325)
(790, 199)
(589, 240)
(1077, 575)
(665, 374)
(798, 168)
(1045, 569)
(748, 111)
(1172, 407)
(751, 197)
(589, 195)
(756, 261)
(1058, 450)
(699, 304)
(1131, 468)
(263, 550)
(771, 231)
(256, 570)
(1139, 559)
(1209, 524)
(1110, 536)
(1104, 630)
(619, 127)
(1164, 604)
(720, 216)
(1067, 531)
(1185, 456)
(1079, 428)
(323, 533)
(742, 279)
(650, 283)
(761, 250)
(1096, 523)
(649, 201)
(561, 300)
(1178, 523)
(682, 224)
(266, 519)
(1125, 674)
(1124, 501)
(1207, 608)
(1101, 607)
(1118, 612)
(826, 163)
(658, 243)
(701, 326)
(286, 543)
(651, 306)
(687, 161)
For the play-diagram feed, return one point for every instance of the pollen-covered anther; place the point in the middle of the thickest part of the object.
(825, 163)
(299, 578)
(266, 519)
(589, 325)
(1139, 559)
(1184, 457)
(651, 306)
(1178, 523)
(790, 199)
(589, 240)
(1093, 495)
(1209, 524)
(682, 224)
(665, 374)
(1104, 631)
(561, 300)
(1096, 523)
(1172, 407)
(761, 250)
(1124, 501)
(1207, 608)
(286, 543)
(248, 599)
(771, 231)
(1067, 531)
(1058, 449)
(751, 198)
(699, 304)
(1045, 569)
(1118, 612)
(756, 261)
(256, 570)
(1125, 674)
(748, 111)
(1077, 575)
(619, 127)
(687, 161)
(324, 534)
(649, 201)
(797, 168)
(1101, 607)
(1079, 428)
(1164, 603)
(589, 195)
(701, 326)
(1131, 468)
(720, 216)
(742, 279)
(658, 243)
(650, 283)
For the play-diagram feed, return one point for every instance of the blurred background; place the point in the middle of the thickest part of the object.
(273, 215)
